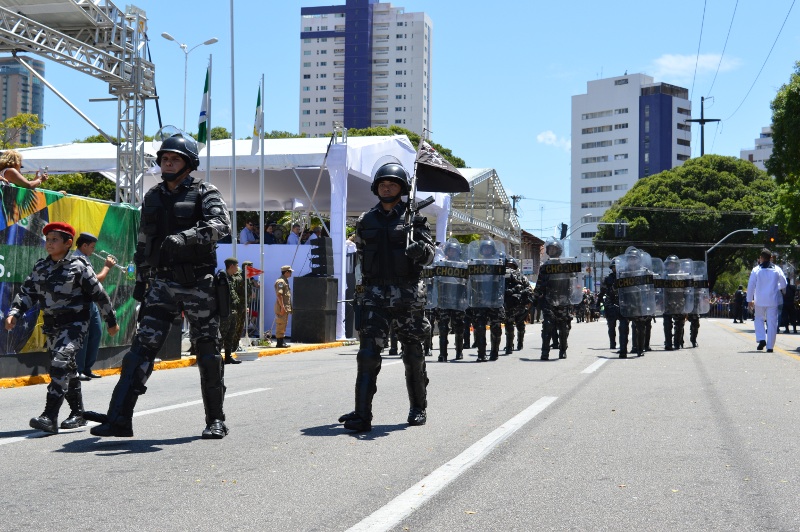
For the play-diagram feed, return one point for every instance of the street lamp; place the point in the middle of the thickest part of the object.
(186, 51)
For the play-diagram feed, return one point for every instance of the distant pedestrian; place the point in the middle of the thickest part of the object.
(283, 305)
(764, 292)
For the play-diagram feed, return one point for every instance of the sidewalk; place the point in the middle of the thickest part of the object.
(251, 353)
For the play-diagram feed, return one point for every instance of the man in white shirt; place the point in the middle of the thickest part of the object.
(294, 236)
(764, 291)
(316, 232)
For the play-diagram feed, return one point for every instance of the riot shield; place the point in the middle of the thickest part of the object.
(634, 284)
(658, 277)
(486, 274)
(450, 278)
(702, 304)
(563, 284)
(678, 285)
(430, 291)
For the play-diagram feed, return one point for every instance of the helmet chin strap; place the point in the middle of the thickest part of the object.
(390, 199)
(172, 176)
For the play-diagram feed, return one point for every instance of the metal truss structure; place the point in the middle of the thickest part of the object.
(485, 208)
(96, 38)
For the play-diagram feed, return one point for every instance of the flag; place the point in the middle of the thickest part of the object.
(435, 174)
(252, 272)
(202, 131)
(258, 126)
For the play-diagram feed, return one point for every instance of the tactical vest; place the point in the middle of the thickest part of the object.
(384, 248)
(167, 214)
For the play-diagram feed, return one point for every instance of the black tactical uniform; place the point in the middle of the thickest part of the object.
(175, 259)
(518, 299)
(609, 291)
(556, 320)
(394, 295)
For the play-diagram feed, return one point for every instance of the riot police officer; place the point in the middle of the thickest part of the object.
(450, 283)
(518, 299)
(636, 295)
(393, 294)
(485, 297)
(557, 290)
(608, 293)
(702, 303)
(678, 299)
(183, 218)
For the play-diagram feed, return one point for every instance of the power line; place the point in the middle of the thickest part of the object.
(765, 60)
(700, 40)
(723, 50)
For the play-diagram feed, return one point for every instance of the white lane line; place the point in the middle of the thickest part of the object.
(38, 434)
(595, 366)
(407, 502)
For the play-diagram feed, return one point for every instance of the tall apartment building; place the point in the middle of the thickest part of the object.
(364, 64)
(623, 129)
(22, 92)
(762, 151)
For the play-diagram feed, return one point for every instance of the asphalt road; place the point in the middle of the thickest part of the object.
(696, 439)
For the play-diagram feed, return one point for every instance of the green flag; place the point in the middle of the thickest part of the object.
(202, 131)
(258, 125)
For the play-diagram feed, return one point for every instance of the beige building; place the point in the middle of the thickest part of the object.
(22, 92)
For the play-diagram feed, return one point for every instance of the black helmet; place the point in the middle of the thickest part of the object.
(184, 146)
(511, 262)
(393, 172)
(553, 248)
(487, 243)
(613, 263)
(453, 247)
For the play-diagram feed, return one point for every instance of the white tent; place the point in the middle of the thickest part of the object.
(291, 178)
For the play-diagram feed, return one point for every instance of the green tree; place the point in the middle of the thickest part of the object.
(12, 128)
(784, 163)
(686, 210)
(219, 133)
(458, 162)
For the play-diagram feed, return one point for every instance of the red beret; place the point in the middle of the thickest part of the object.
(61, 227)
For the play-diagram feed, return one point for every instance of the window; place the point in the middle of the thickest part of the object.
(306, 41)
(398, 60)
(590, 160)
(599, 129)
(322, 87)
(398, 96)
(621, 111)
(322, 111)
(621, 171)
(599, 144)
(398, 48)
(398, 72)
(306, 89)
(599, 114)
(323, 99)
(591, 219)
(306, 100)
(306, 76)
(621, 82)
(684, 142)
(307, 28)
(588, 234)
(306, 52)
(682, 157)
(306, 111)
(307, 64)
(306, 124)
(621, 126)
(646, 157)
(398, 121)
(647, 111)
(323, 52)
(587, 250)
(620, 141)
(682, 111)
(595, 204)
(322, 63)
(684, 127)
(621, 187)
(647, 126)
(322, 75)
(592, 175)
(398, 109)
(620, 156)
(592, 190)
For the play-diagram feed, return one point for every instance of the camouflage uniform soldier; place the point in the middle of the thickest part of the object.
(609, 291)
(555, 293)
(183, 218)
(518, 299)
(393, 294)
(230, 327)
(451, 301)
(64, 286)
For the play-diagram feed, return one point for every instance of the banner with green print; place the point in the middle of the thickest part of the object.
(25, 212)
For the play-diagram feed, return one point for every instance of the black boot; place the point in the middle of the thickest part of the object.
(442, 347)
(212, 386)
(74, 398)
(48, 421)
(229, 359)
(519, 343)
(369, 366)
(459, 347)
(509, 345)
(495, 351)
(118, 422)
(416, 384)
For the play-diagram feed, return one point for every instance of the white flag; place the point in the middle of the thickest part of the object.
(258, 126)
(202, 124)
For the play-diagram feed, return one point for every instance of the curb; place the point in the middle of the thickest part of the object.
(184, 362)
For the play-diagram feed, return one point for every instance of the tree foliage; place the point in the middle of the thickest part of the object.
(90, 185)
(458, 162)
(784, 163)
(686, 210)
(12, 128)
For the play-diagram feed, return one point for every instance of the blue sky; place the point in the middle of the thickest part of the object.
(503, 74)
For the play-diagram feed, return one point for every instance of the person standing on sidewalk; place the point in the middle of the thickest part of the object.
(764, 293)
(283, 305)
(64, 286)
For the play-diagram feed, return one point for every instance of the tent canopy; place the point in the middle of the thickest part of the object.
(291, 169)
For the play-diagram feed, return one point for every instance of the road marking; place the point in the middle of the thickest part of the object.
(40, 434)
(595, 366)
(406, 503)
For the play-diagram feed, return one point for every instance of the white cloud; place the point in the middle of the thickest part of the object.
(677, 69)
(549, 138)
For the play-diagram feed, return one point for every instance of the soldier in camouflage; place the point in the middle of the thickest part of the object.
(394, 294)
(230, 327)
(518, 299)
(63, 286)
(183, 218)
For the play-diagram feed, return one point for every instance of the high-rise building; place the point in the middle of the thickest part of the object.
(763, 150)
(22, 92)
(364, 64)
(623, 129)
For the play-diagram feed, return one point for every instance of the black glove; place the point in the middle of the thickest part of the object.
(173, 244)
(139, 290)
(416, 251)
(419, 221)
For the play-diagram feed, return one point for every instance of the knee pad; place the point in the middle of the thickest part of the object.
(368, 357)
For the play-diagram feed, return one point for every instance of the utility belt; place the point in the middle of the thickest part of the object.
(64, 319)
(390, 282)
(183, 274)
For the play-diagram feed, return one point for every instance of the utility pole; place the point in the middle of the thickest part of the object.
(514, 200)
(702, 121)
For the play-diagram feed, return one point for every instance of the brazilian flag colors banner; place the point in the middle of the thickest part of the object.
(25, 212)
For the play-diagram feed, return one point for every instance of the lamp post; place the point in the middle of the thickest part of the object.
(186, 51)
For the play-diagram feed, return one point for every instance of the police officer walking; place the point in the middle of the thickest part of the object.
(609, 292)
(394, 295)
(183, 218)
(557, 290)
(518, 299)
(450, 281)
(486, 290)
